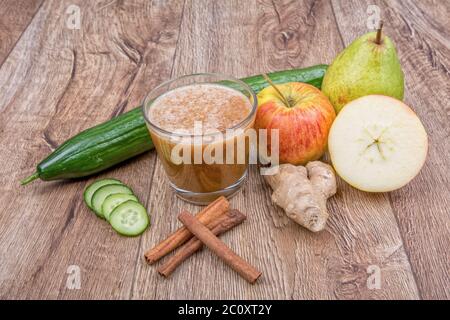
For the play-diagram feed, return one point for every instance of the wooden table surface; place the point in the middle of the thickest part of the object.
(56, 81)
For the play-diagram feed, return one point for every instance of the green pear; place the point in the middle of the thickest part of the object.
(369, 65)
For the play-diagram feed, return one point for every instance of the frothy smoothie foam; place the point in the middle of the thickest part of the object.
(215, 106)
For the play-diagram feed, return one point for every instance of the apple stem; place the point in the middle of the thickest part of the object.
(379, 32)
(286, 101)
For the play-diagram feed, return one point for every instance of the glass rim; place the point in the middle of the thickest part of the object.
(222, 132)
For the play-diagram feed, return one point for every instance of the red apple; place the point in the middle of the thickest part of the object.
(303, 115)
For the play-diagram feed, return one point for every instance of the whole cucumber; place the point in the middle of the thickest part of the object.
(126, 136)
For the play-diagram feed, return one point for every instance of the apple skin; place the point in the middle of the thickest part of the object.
(303, 126)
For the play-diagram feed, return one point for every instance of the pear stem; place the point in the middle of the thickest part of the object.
(286, 101)
(379, 32)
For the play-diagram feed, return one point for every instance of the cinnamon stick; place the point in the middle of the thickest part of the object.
(214, 210)
(247, 271)
(224, 223)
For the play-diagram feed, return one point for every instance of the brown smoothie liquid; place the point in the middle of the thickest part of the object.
(217, 108)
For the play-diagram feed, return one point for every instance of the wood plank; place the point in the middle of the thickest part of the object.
(55, 83)
(15, 16)
(243, 40)
(421, 32)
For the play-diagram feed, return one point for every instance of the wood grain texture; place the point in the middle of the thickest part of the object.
(56, 82)
(15, 16)
(422, 207)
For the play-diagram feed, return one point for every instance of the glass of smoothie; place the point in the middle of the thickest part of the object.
(200, 127)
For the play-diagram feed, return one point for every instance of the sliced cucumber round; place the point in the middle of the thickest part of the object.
(100, 195)
(113, 200)
(88, 193)
(129, 218)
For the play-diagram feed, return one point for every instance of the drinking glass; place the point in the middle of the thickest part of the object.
(204, 181)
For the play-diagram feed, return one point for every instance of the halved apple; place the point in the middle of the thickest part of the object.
(377, 144)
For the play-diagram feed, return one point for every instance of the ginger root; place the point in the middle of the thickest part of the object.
(303, 191)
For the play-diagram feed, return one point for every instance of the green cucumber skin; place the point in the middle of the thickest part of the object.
(98, 148)
(312, 75)
(125, 136)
